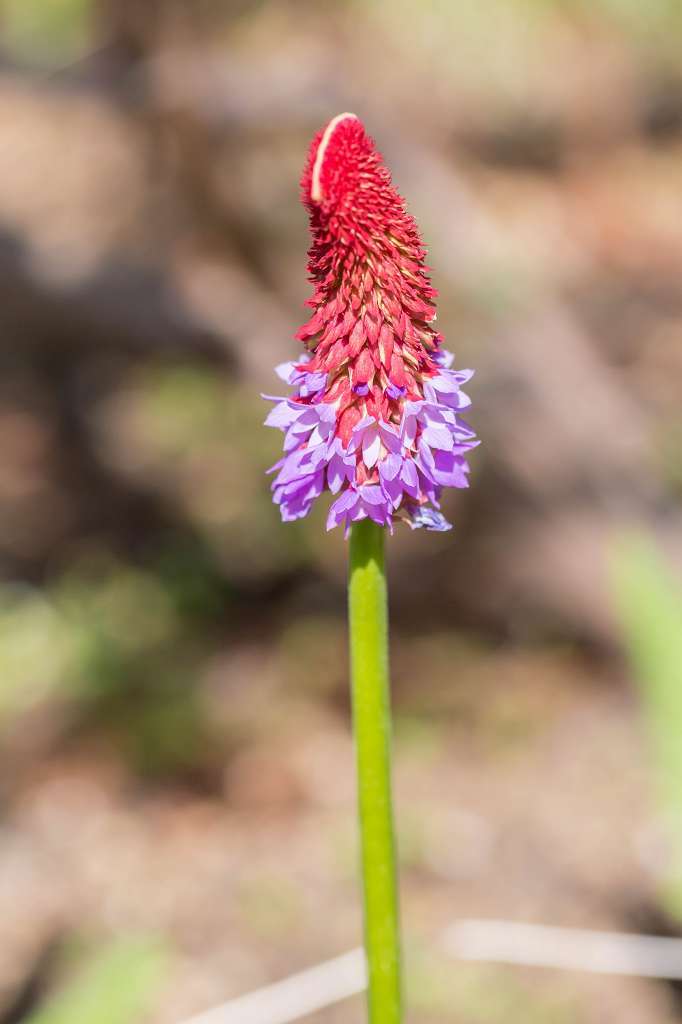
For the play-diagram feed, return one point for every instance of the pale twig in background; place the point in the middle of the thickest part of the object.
(296, 996)
(507, 942)
(576, 949)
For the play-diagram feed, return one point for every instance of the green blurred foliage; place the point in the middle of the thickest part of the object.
(116, 647)
(513, 28)
(35, 650)
(648, 599)
(46, 29)
(121, 646)
(177, 427)
(116, 986)
(134, 663)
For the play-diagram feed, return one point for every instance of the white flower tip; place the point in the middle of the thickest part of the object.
(315, 184)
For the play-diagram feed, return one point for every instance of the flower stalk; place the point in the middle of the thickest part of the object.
(373, 416)
(368, 628)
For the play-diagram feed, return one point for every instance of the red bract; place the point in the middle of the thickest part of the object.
(373, 302)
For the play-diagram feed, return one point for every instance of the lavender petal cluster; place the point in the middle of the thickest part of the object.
(383, 470)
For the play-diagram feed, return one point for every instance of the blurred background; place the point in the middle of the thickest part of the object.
(176, 775)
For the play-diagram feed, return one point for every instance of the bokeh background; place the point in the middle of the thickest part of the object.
(176, 767)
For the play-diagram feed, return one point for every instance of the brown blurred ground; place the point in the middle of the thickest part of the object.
(175, 740)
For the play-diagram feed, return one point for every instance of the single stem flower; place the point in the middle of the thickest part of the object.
(373, 417)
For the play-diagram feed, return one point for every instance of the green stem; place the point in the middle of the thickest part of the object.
(368, 617)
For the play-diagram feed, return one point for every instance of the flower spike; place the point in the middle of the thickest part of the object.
(375, 412)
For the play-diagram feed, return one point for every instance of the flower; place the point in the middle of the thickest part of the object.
(374, 416)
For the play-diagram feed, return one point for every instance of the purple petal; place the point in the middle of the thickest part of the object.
(390, 467)
(312, 384)
(429, 518)
(445, 382)
(425, 459)
(362, 424)
(463, 376)
(410, 477)
(339, 470)
(437, 436)
(408, 430)
(450, 470)
(393, 489)
(296, 499)
(390, 436)
(342, 508)
(430, 393)
(372, 494)
(371, 447)
(444, 358)
(285, 371)
(281, 415)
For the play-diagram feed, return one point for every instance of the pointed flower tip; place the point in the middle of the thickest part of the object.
(374, 414)
(335, 155)
(320, 149)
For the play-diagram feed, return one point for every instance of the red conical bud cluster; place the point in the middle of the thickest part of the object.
(373, 302)
(375, 411)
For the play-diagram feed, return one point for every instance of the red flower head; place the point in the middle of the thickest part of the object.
(374, 414)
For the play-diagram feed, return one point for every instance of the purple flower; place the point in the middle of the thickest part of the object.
(374, 410)
(386, 470)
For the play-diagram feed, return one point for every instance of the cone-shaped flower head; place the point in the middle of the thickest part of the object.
(374, 416)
